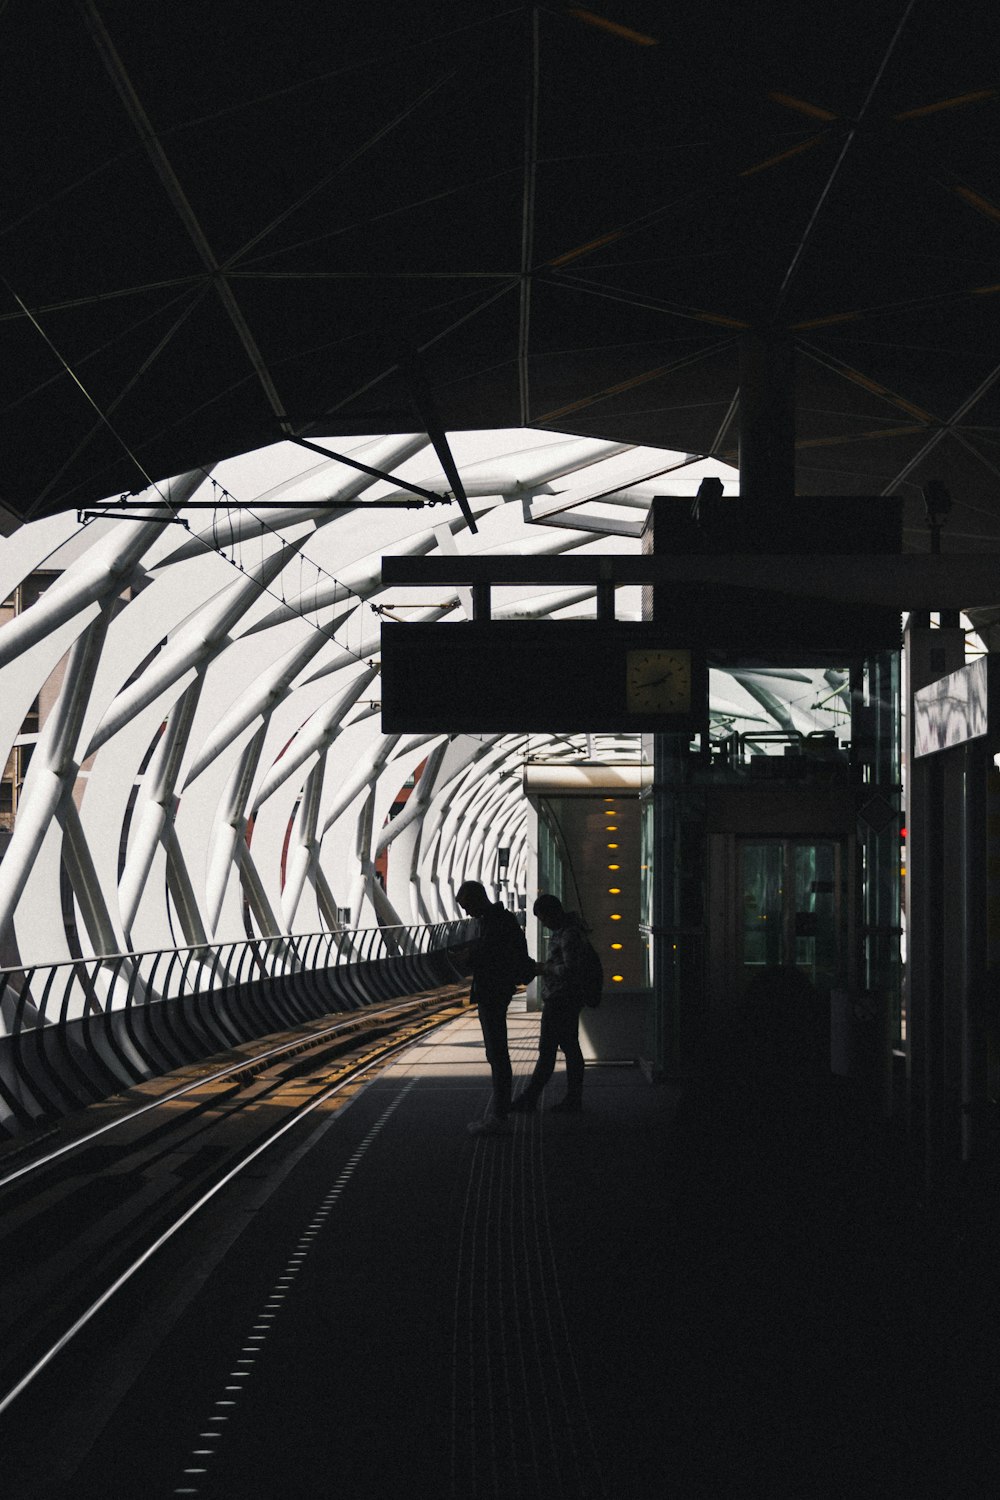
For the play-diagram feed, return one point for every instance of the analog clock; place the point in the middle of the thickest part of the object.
(658, 681)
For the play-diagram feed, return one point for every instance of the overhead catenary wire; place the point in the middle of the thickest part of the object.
(164, 501)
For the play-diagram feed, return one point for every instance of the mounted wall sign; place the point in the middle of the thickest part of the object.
(954, 709)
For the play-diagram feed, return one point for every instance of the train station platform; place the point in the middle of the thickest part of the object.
(656, 1297)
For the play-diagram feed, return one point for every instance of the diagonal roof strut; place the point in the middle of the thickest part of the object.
(355, 463)
(175, 192)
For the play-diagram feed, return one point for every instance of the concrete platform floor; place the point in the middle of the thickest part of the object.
(639, 1301)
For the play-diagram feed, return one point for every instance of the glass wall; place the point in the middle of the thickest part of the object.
(879, 822)
(791, 908)
(551, 851)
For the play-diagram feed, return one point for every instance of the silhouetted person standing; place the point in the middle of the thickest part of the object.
(562, 999)
(494, 958)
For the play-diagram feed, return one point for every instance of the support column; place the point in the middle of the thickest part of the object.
(676, 851)
(933, 867)
(976, 768)
(669, 754)
(767, 432)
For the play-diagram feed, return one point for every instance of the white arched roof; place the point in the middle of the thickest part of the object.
(211, 760)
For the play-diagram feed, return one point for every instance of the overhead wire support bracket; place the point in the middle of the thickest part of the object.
(355, 463)
(128, 514)
(412, 365)
(132, 513)
(231, 504)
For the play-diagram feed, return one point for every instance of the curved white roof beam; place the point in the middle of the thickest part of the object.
(260, 698)
(268, 733)
(309, 492)
(157, 814)
(229, 831)
(195, 644)
(53, 770)
(102, 573)
(316, 737)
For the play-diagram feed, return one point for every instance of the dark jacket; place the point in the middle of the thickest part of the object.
(494, 955)
(563, 962)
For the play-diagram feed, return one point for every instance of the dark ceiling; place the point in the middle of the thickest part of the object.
(235, 221)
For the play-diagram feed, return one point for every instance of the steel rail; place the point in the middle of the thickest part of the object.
(355, 1021)
(300, 1112)
(80, 1030)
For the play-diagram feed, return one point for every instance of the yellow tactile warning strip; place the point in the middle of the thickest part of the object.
(517, 1403)
(518, 1415)
(515, 1411)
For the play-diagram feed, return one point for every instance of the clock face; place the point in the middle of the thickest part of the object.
(658, 681)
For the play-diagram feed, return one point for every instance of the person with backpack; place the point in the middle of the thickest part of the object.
(568, 977)
(499, 961)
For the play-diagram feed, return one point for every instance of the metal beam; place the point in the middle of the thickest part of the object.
(412, 365)
(175, 192)
(355, 463)
(951, 580)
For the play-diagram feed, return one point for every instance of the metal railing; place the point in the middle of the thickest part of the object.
(75, 1032)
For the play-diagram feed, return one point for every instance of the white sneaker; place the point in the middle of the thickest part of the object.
(489, 1126)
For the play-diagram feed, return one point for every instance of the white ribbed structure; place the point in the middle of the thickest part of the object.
(214, 756)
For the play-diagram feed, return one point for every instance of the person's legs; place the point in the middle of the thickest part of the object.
(563, 1032)
(548, 1045)
(569, 1041)
(493, 1020)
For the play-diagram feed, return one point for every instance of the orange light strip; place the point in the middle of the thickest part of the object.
(861, 437)
(772, 161)
(866, 383)
(976, 200)
(611, 390)
(957, 102)
(625, 32)
(723, 321)
(844, 317)
(803, 107)
(602, 239)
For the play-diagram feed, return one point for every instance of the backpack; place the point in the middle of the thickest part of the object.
(588, 975)
(524, 964)
(591, 982)
(518, 961)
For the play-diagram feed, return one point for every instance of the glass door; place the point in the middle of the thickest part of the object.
(790, 907)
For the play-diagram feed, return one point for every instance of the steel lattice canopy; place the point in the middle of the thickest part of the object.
(300, 220)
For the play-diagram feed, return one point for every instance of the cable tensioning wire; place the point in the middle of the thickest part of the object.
(173, 509)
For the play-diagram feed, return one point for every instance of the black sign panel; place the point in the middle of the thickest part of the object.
(572, 676)
(562, 676)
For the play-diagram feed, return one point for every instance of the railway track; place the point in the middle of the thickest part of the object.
(87, 1208)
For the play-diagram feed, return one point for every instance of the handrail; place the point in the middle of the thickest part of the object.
(78, 1030)
(261, 937)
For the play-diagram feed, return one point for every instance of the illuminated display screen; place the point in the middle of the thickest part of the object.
(951, 711)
